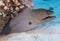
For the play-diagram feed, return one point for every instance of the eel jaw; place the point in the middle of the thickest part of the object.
(49, 18)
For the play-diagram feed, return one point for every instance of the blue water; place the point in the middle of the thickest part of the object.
(50, 5)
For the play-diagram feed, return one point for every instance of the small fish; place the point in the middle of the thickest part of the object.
(28, 19)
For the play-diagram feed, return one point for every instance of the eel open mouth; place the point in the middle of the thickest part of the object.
(48, 17)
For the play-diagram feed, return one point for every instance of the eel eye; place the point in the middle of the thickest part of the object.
(30, 23)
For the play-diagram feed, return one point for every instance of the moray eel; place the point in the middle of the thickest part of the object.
(28, 19)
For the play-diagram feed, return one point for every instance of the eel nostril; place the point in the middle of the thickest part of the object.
(51, 8)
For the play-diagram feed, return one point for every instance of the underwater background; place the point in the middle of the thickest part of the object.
(50, 5)
(52, 26)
